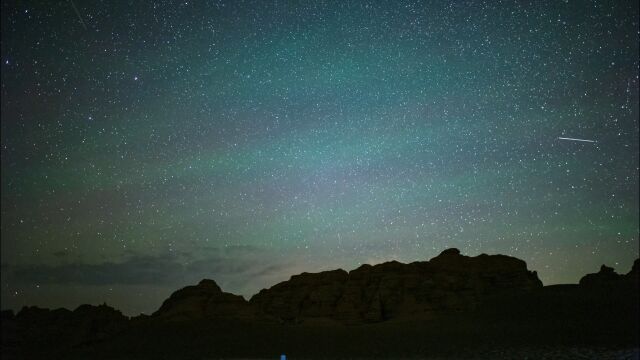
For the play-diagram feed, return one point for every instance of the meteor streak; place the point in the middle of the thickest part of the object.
(78, 13)
(573, 139)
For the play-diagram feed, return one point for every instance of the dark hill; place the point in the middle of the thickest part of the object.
(393, 290)
(202, 301)
(488, 306)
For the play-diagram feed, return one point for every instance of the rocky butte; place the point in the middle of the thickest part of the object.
(448, 282)
(392, 290)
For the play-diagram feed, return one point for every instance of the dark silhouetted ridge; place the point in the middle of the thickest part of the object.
(441, 307)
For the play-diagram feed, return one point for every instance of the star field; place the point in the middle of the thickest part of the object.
(148, 145)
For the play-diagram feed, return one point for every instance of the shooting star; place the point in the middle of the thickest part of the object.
(573, 139)
(78, 13)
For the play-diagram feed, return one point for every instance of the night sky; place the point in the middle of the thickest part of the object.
(147, 144)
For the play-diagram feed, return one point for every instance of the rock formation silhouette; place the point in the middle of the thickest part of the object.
(205, 300)
(392, 309)
(608, 277)
(391, 290)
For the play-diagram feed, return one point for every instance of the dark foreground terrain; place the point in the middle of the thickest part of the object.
(453, 306)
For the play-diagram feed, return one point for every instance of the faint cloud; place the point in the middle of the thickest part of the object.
(135, 270)
(239, 269)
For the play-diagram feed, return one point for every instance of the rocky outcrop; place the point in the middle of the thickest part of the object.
(61, 328)
(448, 282)
(633, 275)
(205, 300)
(94, 323)
(304, 295)
(139, 318)
(36, 315)
(607, 277)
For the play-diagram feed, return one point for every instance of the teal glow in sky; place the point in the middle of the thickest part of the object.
(164, 142)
